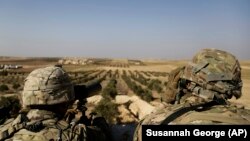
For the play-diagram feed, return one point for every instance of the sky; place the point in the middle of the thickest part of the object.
(160, 29)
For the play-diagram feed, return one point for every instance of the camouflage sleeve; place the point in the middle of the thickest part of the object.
(172, 86)
(88, 133)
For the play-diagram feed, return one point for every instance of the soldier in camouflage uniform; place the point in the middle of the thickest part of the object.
(47, 94)
(4, 109)
(9, 107)
(200, 92)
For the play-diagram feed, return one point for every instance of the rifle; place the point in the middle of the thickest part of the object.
(82, 92)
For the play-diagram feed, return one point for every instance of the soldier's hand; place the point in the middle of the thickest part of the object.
(70, 114)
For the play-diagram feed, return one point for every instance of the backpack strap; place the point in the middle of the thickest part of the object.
(180, 110)
(21, 122)
(11, 128)
(224, 118)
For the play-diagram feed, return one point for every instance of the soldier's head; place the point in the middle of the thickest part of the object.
(48, 87)
(213, 73)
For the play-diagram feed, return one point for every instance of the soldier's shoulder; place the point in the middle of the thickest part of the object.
(51, 129)
(216, 114)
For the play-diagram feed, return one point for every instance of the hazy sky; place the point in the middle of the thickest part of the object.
(171, 29)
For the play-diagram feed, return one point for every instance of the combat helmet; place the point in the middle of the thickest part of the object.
(47, 86)
(213, 73)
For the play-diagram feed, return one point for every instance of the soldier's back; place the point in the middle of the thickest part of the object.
(48, 129)
(200, 114)
(217, 114)
(51, 133)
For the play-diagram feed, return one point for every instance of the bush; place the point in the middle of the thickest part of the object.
(4, 87)
(107, 109)
(155, 84)
(110, 90)
(16, 86)
(137, 89)
(3, 73)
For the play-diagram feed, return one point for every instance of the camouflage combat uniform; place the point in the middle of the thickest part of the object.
(46, 92)
(212, 74)
(4, 109)
(200, 91)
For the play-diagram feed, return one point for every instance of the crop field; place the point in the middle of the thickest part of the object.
(128, 90)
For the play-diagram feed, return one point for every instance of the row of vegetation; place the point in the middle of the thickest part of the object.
(106, 107)
(110, 90)
(87, 77)
(119, 65)
(80, 73)
(4, 87)
(137, 89)
(11, 79)
(158, 74)
(140, 78)
(75, 76)
(116, 75)
(153, 84)
(154, 73)
(114, 65)
(12, 73)
(146, 73)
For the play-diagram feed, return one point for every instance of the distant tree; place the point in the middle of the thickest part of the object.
(16, 86)
(3, 73)
(4, 87)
